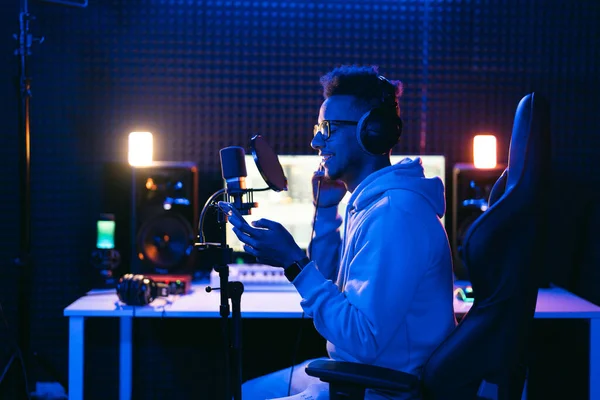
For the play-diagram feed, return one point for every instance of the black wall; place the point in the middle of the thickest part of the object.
(202, 75)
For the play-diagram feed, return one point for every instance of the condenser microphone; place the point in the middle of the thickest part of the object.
(233, 169)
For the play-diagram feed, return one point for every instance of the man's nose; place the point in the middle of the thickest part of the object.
(317, 142)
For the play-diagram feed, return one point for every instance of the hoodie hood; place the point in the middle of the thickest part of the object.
(406, 175)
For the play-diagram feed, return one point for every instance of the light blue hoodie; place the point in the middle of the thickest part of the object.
(383, 295)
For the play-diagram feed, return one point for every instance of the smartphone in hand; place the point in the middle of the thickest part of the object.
(230, 211)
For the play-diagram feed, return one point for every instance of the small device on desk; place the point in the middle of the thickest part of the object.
(256, 277)
(465, 294)
(177, 284)
(105, 258)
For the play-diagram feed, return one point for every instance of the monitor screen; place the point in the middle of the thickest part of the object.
(294, 208)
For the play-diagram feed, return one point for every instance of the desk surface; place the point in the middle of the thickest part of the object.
(552, 303)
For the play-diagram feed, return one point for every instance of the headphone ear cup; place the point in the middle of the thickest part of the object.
(123, 288)
(361, 129)
(132, 291)
(378, 131)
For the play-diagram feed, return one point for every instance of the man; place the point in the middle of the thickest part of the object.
(382, 295)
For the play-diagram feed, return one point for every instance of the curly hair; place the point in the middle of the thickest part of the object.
(363, 82)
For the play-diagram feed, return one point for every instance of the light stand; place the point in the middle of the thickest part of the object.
(232, 341)
(23, 261)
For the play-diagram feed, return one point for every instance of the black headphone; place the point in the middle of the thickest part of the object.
(379, 129)
(139, 290)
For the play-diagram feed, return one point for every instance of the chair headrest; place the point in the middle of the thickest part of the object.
(529, 154)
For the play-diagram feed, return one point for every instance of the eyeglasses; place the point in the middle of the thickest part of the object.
(325, 127)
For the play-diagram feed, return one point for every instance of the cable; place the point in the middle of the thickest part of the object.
(203, 214)
(299, 338)
(315, 214)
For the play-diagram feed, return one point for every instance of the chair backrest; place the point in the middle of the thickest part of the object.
(502, 251)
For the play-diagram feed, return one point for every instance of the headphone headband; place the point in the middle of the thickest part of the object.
(388, 94)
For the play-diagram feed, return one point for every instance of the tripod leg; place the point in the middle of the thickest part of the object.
(7, 368)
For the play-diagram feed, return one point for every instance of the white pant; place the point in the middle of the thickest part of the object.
(275, 385)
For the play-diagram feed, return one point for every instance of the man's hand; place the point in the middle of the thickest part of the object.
(331, 192)
(268, 241)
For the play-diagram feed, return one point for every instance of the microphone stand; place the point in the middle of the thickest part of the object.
(232, 340)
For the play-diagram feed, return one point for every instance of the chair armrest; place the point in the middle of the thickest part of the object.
(363, 375)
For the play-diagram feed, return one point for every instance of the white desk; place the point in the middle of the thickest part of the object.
(554, 303)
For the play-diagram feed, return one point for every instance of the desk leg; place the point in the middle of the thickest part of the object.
(125, 355)
(76, 353)
(595, 359)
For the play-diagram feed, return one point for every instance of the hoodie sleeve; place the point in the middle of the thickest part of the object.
(324, 248)
(390, 257)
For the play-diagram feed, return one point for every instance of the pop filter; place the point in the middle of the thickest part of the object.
(268, 164)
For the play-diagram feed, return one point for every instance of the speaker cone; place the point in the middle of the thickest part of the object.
(165, 240)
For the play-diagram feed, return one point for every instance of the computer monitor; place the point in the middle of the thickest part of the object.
(294, 208)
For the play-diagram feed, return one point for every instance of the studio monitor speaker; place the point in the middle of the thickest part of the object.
(471, 189)
(164, 218)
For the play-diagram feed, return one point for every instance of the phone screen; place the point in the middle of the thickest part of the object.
(229, 209)
(105, 233)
